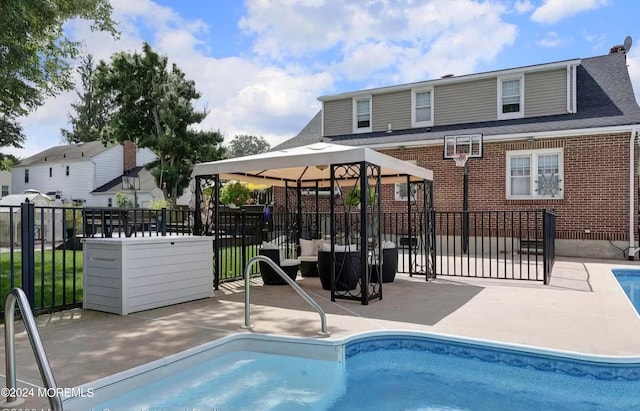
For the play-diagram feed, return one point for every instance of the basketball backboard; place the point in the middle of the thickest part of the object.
(464, 143)
(130, 183)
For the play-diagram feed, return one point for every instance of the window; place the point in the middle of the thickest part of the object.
(67, 170)
(510, 97)
(422, 107)
(26, 175)
(5, 191)
(50, 172)
(362, 115)
(110, 202)
(401, 190)
(535, 174)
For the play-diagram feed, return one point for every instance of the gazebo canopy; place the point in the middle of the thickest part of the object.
(309, 164)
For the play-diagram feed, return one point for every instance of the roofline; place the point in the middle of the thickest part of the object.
(515, 136)
(455, 79)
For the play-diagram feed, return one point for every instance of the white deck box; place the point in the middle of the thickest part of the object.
(125, 275)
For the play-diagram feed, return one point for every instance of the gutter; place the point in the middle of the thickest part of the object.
(505, 137)
(632, 207)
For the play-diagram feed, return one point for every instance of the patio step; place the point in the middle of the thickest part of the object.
(532, 246)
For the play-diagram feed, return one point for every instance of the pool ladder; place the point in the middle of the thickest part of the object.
(17, 295)
(247, 303)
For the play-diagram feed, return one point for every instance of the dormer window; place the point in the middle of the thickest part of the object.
(422, 107)
(511, 97)
(362, 115)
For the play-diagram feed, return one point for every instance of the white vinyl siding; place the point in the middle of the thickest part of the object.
(510, 97)
(422, 107)
(535, 174)
(144, 156)
(108, 165)
(76, 186)
(362, 114)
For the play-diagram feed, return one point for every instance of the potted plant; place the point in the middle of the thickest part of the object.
(234, 194)
(352, 197)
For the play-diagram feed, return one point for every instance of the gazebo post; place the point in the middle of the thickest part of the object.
(332, 218)
(299, 212)
(364, 265)
(216, 231)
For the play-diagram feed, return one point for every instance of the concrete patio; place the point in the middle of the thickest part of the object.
(582, 310)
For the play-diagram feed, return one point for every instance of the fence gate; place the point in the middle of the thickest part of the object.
(514, 245)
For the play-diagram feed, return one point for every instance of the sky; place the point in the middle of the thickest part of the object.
(261, 64)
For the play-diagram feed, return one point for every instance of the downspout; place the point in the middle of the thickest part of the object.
(632, 211)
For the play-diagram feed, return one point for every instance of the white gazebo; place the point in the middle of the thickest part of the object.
(315, 166)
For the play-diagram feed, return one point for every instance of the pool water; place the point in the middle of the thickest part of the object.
(393, 372)
(630, 282)
(242, 380)
(411, 380)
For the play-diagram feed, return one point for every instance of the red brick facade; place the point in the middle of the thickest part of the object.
(595, 205)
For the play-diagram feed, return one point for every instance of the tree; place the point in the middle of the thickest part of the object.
(92, 110)
(153, 106)
(7, 161)
(35, 54)
(244, 145)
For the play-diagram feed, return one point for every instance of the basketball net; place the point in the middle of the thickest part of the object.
(460, 159)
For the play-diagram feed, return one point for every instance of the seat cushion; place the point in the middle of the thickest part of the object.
(289, 263)
(308, 258)
(307, 247)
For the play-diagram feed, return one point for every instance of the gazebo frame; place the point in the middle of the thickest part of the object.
(335, 166)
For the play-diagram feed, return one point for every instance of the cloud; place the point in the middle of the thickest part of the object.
(522, 6)
(384, 41)
(552, 11)
(633, 63)
(245, 95)
(550, 39)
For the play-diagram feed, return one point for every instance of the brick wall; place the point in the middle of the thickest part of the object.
(596, 184)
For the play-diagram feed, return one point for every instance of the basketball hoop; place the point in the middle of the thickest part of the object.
(460, 159)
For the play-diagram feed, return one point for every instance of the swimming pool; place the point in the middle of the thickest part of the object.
(629, 280)
(377, 370)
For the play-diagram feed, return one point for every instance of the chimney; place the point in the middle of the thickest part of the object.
(129, 151)
(617, 49)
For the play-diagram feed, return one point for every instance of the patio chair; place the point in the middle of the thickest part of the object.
(308, 257)
(269, 276)
(389, 263)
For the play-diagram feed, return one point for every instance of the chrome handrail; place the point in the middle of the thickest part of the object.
(296, 287)
(17, 295)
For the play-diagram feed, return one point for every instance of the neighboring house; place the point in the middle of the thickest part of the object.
(10, 217)
(77, 173)
(5, 183)
(144, 191)
(560, 135)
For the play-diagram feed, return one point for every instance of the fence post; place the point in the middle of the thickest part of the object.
(27, 217)
(243, 240)
(163, 223)
(548, 243)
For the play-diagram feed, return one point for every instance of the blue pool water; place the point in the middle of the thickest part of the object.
(397, 372)
(630, 282)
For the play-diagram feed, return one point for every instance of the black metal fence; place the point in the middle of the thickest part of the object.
(516, 245)
(41, 247)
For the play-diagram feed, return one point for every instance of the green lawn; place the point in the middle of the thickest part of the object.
(55, 284)
(232, 265)
(59, 282)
